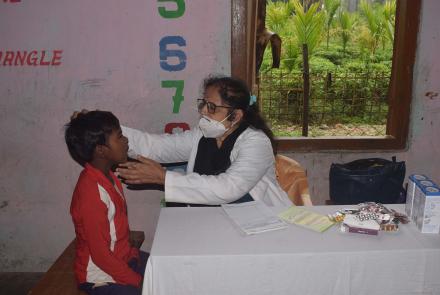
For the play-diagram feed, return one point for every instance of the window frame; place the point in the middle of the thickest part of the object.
(243, 31)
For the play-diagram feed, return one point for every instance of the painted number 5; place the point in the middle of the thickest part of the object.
(178, 12)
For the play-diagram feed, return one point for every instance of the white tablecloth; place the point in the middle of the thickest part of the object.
(199, 251)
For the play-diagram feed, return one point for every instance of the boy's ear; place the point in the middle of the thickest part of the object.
(99, 151)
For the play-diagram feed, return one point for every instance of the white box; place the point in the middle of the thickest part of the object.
(428, 210)
(411, 189)
(352, 224)
(418, 195)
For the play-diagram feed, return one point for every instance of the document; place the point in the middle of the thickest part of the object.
(253, 217)
(305, 218)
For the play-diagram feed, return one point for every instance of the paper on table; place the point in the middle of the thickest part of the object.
(306, 218)
(253, 217)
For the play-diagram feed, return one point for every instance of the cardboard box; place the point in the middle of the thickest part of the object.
(418, 196)
(413, 179)
(427, 209)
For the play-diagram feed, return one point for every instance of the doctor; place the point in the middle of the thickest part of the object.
(230, 154)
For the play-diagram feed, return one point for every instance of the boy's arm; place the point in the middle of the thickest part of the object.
(134, 253)
(97, 232)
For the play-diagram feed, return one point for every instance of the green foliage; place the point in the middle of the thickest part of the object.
(334, 54)
(330, 8)
(321, 65)
(291, 52)
(374, 24)
(277, 14)
(359, 36)
(389, 11)
(355, 66)
(308, 26)
(266, 64)
(380, 67)
(379, 20)
(347, 21)
(382, 55)
(349, 73)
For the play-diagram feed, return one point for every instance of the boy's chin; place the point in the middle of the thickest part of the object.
(122, 160)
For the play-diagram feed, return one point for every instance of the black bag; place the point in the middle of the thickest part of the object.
(367, 180)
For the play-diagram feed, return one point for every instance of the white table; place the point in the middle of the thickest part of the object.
(199, 251)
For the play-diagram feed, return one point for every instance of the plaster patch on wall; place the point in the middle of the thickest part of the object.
(432, 102)
(432, 95)
(96, 82)
(7, 262)
(424, 71)
(26, 263)
(4, 204)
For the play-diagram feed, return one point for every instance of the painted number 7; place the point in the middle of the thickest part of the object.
(178, 96)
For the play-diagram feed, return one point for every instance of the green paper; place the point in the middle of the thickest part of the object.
(305, 218)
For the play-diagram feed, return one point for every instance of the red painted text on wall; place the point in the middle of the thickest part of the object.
(30, 58)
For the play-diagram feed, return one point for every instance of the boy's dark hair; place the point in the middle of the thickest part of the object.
(88, 130)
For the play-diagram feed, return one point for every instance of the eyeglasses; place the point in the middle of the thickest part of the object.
(201, 102)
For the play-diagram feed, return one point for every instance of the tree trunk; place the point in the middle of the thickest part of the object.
(306, 93)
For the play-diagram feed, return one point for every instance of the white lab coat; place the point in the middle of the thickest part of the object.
(252, 168)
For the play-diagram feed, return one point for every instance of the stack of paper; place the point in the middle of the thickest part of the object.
(307, 219)
(253, 217)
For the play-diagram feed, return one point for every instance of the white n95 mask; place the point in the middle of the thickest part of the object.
(212, 128)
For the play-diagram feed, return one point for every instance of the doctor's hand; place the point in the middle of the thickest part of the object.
(142, 172)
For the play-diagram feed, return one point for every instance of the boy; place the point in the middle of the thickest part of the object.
(105, 263)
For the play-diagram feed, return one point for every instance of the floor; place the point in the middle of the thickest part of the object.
(18, 283)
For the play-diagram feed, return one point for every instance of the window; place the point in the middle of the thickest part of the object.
(406, 28)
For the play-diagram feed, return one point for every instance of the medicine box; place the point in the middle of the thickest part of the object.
(413, 179)
(418, 194)
(353, 224)
(427, 209)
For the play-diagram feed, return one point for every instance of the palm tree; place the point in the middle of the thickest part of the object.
(389, 11)
(375, 21)
(308, 26)
(277, 15)
(330, 7)
(347, 22)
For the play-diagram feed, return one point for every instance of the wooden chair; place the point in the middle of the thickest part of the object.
(60, 278)
(293, 180)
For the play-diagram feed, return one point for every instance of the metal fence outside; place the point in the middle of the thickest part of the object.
(341, 103)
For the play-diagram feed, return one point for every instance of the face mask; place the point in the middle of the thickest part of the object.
(212, 128)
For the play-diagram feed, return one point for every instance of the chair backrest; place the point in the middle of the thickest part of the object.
(293, 180)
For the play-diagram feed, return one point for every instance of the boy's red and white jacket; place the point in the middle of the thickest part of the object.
(99, 213)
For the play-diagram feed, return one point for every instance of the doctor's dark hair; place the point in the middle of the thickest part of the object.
(235, 93)
(88, 130)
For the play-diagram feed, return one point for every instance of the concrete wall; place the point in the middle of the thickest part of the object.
(102, 54)
(110, 59)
